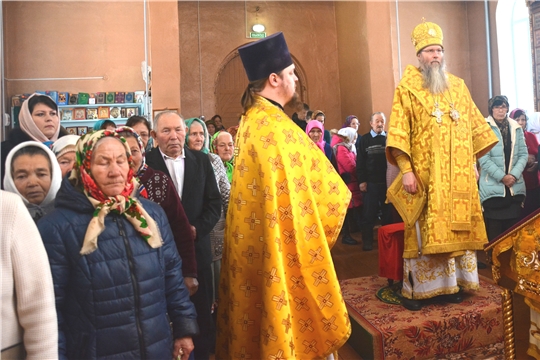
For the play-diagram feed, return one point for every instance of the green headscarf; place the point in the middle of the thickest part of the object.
(229, 165)
(189, 122)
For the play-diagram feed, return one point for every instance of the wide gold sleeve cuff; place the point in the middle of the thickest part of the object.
(404, 163)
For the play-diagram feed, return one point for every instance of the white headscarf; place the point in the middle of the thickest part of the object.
(27, 124)
(63, 143)
(349, 133)
(47, 204)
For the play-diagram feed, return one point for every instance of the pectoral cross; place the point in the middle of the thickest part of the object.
(438, 113)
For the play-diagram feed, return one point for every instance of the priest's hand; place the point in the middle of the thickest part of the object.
(409, 182)
(363, 186)
(192, 285)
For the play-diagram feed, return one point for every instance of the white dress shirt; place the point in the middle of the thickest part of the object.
(176, 167)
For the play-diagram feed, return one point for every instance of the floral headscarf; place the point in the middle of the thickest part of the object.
(318, 125)
(229, 165)
(189, 122)
(125, 203)
(142, 169)
(27, 124)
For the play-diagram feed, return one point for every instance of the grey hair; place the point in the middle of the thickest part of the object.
(377, 113)
(167, 112)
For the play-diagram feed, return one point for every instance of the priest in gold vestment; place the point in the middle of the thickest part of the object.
(435, 135)
(279, 294)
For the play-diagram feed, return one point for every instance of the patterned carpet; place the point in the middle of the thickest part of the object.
(470, 330)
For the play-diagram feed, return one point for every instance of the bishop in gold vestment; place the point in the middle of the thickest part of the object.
(438, 137)
(279, 294)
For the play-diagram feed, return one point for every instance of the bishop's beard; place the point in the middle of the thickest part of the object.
(434, 76)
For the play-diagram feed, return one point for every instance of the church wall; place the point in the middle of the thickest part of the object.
(91, 39)
(348, 50)
(309, 28)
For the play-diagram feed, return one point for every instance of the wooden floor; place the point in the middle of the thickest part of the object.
(351, 262)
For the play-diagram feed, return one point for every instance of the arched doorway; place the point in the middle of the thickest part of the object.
(232, 81)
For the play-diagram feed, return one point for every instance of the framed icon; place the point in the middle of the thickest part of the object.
(132, 112)
(81, 130)
(100, 98)
(63, 98)
(72, 130)
(115, 112)
(79, 114)
(67, 114)
(103, 112)
(92, 113)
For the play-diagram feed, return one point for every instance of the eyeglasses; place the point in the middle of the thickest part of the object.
(501, 107)
(433, 51)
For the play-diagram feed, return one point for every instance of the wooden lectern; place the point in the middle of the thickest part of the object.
(515, 255)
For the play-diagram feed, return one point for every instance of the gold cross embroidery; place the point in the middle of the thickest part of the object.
(276, 163)
(311, 232)
(286, 213)
(302, 304)
(298, 282)
(250, 254)
(295, 159)
(269, 335)
(325, 301)
(300, 184)
(245, 322)
(268, 140)
(280, 300)
(271, 277)
(306, 208)
(320, 277)
(306, 325)
(248, 288)
(315, 255)
(252, 221)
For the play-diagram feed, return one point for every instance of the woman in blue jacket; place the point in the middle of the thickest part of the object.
(502, 188)
(116, 271)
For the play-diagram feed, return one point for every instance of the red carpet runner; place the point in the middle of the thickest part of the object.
(472, 329)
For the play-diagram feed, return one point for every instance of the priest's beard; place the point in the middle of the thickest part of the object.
(434, 76)
(295, 102)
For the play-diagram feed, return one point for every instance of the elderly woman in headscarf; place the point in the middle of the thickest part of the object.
(320, 116)
(38, 121)
(315, 131)
(159, 188)
(222, 144)
(64, 150)
(32, 172)
(346, 166)
(116, 271)
(197, 138)
(104, 125)
(501, 184)
(352, 122)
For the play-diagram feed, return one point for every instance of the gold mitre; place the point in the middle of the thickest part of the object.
(425, 34)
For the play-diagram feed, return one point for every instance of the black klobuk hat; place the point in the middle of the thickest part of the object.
(266, 56)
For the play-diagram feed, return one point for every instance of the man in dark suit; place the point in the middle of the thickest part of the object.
(193, 177)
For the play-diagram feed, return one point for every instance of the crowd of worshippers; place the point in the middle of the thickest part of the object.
(174, 179)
